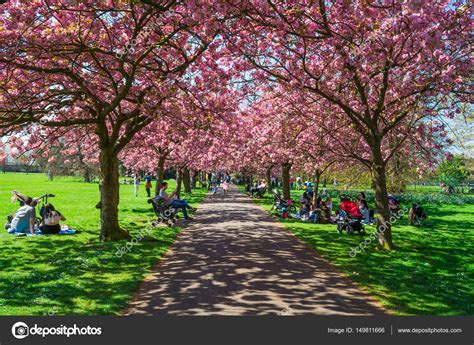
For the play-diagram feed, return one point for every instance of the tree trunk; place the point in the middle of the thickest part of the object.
(109, 198)
(160, 172)
(194, 178)
(87, 176)
(285, 176)
(317, 178)
(179, 178)
(268, 176)
(209, 176)
(50, 175)
(187, 181)
(384, 230)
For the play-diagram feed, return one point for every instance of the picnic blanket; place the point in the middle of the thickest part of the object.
(38, 233)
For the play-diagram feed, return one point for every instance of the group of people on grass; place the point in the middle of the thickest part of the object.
(322, 208)
(24, 220)
(318, 210)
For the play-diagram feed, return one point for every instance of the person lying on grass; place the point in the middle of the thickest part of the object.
(173, 201)
(50, 222)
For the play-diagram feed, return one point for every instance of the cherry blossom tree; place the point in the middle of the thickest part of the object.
(105, 68)
(381, 66)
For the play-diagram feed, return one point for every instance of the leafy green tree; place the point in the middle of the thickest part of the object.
(453, 171)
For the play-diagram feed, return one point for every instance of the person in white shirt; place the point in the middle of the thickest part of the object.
(24, 219)
(258, 188)
(136, 183)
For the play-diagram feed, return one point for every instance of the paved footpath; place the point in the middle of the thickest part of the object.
(234, 259)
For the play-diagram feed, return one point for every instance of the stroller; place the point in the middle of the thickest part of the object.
(416, 215)
(279, 203)
(164, 212)
(349, 218)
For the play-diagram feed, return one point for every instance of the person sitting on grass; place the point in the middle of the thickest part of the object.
(51, 218)
(314, 213)
(305, 198)
(328, 203)
(325, 215)
(24, 218)
(174, 202)
(365, 212)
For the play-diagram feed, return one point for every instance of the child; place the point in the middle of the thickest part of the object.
(215, 188)
(225, 187)
(365, 212)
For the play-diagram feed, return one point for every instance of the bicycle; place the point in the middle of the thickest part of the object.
(44, 201)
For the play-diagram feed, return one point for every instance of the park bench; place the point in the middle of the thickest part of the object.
(260, 193)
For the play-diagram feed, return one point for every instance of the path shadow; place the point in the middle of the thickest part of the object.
(236, 260)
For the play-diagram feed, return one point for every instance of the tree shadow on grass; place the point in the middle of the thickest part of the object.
(426, 274)
(66, 275)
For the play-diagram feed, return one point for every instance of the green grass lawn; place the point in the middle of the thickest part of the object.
(76, 274)
(429, 273)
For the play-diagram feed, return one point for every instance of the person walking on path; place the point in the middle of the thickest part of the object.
(225, 187)
(148, 185)
(136, 183)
